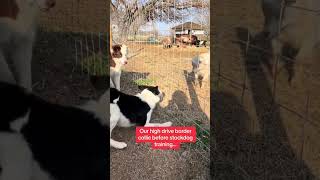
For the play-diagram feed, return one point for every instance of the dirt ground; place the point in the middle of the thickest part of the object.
(184, 104)
(254, 138)
(58, 79)
(170, 69)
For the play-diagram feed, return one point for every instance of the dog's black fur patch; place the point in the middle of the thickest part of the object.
(131, 107)
(14, 103)
(114, 94)
(68, 142)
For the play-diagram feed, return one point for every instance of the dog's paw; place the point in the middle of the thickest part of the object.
(167, 124)
(119, 145)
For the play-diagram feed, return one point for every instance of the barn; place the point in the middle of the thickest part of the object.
(190, 28)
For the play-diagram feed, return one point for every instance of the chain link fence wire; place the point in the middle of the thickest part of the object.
(75, 36)
(265, 127)
(142, 25)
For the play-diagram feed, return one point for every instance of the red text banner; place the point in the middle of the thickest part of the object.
(166, 137)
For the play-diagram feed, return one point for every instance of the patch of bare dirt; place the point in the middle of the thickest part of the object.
(184, 104)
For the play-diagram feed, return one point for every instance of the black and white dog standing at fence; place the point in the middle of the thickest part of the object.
(55, 142)
(128, 110)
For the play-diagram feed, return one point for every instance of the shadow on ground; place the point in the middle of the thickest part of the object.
(237, 153)
(145, 163)
(56, 74)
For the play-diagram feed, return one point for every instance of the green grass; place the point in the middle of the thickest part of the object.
(203, 135)
(144, 82)
(96, 65)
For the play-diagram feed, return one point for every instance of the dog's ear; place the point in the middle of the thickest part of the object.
(116, 51)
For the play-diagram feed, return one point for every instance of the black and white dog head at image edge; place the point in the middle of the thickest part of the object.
(40, 140)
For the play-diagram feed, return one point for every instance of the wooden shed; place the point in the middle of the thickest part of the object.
(190, 28)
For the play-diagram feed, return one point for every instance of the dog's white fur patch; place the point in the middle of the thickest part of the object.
(16, 159)
(148, 97)
(115, 116)
(111, 83)
(18, 124)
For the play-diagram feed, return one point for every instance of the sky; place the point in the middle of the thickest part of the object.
(164, 28)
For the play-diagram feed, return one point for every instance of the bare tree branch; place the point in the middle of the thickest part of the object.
(130, 15)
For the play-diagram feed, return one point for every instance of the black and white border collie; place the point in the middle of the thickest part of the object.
(55, 142)
(128, 110)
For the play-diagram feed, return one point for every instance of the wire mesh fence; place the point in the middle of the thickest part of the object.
(91, 54)
(273, 130)
(143, 26)
(76, 16)
(78, 33)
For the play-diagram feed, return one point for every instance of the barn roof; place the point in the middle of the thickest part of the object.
(188, 25)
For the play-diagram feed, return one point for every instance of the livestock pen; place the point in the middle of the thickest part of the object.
(70, 67)
(142, 25)
(265, 128)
